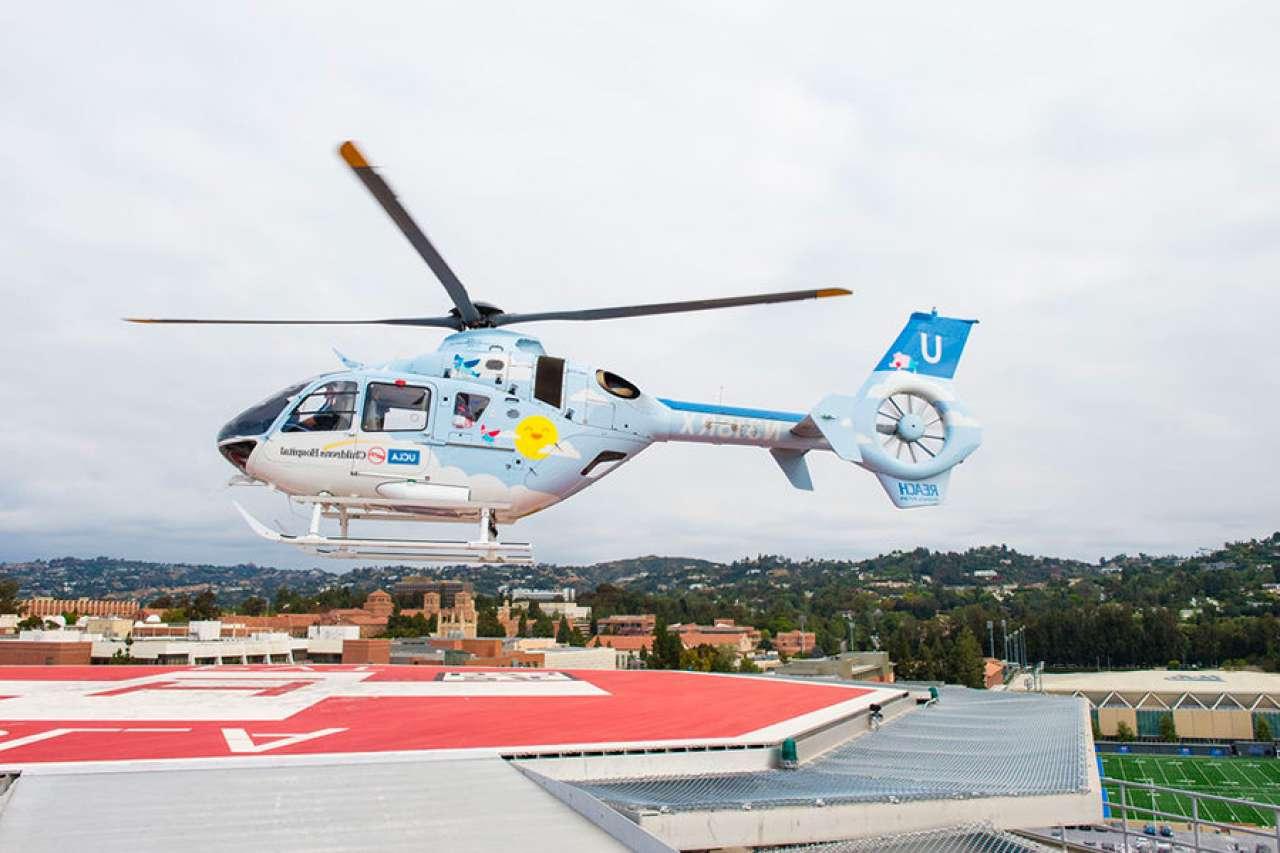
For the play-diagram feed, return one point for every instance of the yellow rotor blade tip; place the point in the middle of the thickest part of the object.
(834, 291)
(352, 155)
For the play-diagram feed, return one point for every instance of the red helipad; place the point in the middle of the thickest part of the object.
(59, 714)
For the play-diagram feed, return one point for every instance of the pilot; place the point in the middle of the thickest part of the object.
(329, 416)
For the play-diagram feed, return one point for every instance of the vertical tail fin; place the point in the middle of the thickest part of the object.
(905, 425)
(929, 345)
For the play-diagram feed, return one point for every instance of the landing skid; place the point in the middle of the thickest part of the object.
(486, 549)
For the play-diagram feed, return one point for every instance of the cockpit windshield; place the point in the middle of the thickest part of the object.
(328, 408)
(259, 418)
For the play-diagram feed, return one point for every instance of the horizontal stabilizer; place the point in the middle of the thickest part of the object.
(833, 419)
(906, 494)
(794, 465)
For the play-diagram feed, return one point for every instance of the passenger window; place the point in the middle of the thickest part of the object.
(329, 408)
(467, 409)
(395, 408)
(548, 380)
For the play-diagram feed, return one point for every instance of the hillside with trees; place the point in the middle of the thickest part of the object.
(928, 609)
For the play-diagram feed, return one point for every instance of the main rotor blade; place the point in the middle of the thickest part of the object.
(667, 307)
(387, 198)
(442, 322)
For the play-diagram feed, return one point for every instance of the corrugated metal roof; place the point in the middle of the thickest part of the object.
(477, 804)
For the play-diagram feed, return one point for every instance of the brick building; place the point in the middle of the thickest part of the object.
(40, 649)
(410, 590)
(46, 606)
(460, 620)
(627, 625)
(724, 633)
(366, 651)
(792, 643)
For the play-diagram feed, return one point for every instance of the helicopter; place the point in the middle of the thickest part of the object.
(490, 428)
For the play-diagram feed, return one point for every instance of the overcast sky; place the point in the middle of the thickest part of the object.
(1100, 187)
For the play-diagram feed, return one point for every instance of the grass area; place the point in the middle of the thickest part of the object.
(1256, 779)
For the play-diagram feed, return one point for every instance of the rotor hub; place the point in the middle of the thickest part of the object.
(910, 427)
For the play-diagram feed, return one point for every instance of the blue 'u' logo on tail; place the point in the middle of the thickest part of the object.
(929, 344)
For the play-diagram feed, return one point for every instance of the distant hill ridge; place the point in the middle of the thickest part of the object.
(110, 577)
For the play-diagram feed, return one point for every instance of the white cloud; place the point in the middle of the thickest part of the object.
(1097, 187)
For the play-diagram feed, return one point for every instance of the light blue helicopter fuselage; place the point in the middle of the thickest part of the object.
(489, 422)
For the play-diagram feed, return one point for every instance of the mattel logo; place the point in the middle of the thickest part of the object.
(403, 457)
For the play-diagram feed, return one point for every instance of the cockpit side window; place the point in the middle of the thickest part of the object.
(395, 408)
(467, 409)
(328, 408)
(616, 385)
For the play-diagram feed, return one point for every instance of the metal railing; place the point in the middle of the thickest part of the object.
(1129, 812)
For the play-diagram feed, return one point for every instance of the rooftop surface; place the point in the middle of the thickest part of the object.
(90, 714)
(1165, 681)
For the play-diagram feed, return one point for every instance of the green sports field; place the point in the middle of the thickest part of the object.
(1256, 779)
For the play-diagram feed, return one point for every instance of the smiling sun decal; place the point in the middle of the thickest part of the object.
(536, 437)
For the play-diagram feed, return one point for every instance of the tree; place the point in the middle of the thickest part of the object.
(254, 606)
(522, 628)
(562, 631)
(1124, 732)
(543, 626)
(487, 625)
(964, 663)
(204, 606)
(31, 623)
(1168, 729)
(667, 647)
(707, 658)
(1261, 728)
(399, 625)
(746, 664)
(9, 601)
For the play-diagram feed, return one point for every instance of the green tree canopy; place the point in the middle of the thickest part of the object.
(667, 647)
(964, 660)
(1261, 728)
(9, 601)
(204, 606)
(254, 606)
(487, 625)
